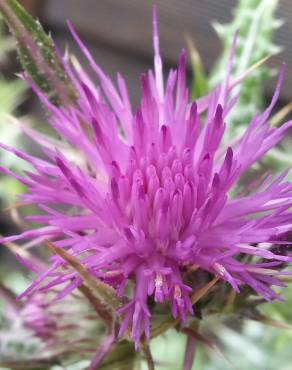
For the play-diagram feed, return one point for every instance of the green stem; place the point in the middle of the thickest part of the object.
(37, 54)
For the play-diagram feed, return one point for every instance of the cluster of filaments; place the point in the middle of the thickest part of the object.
(157, 195)
(154, 205)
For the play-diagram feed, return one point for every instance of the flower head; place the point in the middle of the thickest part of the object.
(150, 195)
(44, 327)
(62, 326)
(36, 318)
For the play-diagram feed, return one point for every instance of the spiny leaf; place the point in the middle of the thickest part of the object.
(256, 23)
(37, 54)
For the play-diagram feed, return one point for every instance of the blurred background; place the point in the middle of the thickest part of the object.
(119, 31)
(119, 34)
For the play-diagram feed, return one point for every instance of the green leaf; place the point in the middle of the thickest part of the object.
(37, 54)
(255, 22)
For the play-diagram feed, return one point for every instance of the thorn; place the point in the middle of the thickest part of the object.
(281, 114)
(200, 293)
(243, 75)
(275, 323)
(15, 249)
(193, 51)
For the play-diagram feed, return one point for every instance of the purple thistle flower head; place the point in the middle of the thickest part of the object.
(36, 318)
(53, 321)
(150, 195)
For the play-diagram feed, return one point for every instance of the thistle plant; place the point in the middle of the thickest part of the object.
(45, 331)
(153, 225)
(256, 23)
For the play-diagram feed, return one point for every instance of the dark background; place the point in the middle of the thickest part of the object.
(119, 32)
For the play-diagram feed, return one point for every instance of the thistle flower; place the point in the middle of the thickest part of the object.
(45, 326)
(54, 321)
(154, 194)
(36, 318)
